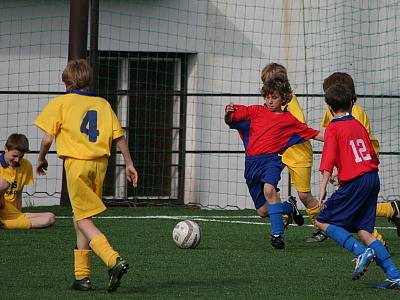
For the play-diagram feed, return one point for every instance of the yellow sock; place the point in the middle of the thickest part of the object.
(384, 209)
(103, 249)
(82, 263)
(313, 213)
(378, 236)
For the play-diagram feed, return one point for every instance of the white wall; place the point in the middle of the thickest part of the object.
(232, 41)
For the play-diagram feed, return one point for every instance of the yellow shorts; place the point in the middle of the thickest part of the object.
(12, 218)
(85, 186)
(301, 178)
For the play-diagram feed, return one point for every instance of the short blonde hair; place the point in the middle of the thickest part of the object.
(77, 75)
(274, 70)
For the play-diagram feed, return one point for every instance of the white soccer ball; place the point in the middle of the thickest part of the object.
(186, 234)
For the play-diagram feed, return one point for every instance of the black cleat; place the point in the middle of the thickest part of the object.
(115, 274)
(82, 285)
(317, 237)
(395, 219)
(297, 216)
(277, 242)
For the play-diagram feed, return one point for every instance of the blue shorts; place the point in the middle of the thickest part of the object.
(261, 169)
(353, 205)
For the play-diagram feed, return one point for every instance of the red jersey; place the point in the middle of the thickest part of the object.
(269, 132)
(348, 147)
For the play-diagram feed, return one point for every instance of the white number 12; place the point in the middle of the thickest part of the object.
(359, 149)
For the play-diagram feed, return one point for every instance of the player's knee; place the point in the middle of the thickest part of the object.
(262, 211)
(270, 192)
(4, 185)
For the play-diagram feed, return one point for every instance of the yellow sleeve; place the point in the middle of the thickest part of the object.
(26, 172)
(49, 119)
(117, 130)
(327, 118)
(295, 109)
(359, 114)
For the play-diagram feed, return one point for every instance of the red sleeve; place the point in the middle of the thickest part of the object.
(243, 112)
(329, 151)
(302, 129)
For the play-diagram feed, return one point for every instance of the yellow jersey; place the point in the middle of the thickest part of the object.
(359, 114)
(83, 125)
(299, 155)
(17, 177)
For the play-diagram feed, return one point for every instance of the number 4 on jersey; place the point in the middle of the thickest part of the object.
(89, 125)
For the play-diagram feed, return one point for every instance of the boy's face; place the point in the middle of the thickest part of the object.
(274, 102)
(13, 157)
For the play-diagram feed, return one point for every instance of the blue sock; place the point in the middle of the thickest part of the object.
(287, 207)
(275, 214)
(384, 261)
(345, 239)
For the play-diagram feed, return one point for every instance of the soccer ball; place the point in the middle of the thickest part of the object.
(186, 234)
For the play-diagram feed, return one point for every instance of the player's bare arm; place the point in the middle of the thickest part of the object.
(45, 145)
(131, 173)
(324, 183)
(4, 185)
(229, 109)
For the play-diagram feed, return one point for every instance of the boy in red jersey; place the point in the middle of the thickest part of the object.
(352, 207)
(84, 127)
(267, 131)
(389, 210)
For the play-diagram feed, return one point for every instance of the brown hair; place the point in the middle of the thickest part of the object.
(339, 98)
(273, 70)
(342, 79)
(77, 75)
(18, 142)
(281, 86)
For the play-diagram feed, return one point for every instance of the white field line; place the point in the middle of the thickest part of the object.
(220, 219)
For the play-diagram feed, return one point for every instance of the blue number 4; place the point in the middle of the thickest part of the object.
(91, 120)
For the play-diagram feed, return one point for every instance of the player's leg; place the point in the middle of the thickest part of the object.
(383, 260)
(275, 209)
(301, 179)
(395, 217)
(12, 218)
(41, 220)
(82, 253)
(85, 193)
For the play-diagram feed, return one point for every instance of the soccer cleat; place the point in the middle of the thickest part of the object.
(362, 262)
(287, 220)
(277, 241)
(297, 216)
(395, 219)
(393, 284)
(317, 237)
(115, 274)
(82, 285)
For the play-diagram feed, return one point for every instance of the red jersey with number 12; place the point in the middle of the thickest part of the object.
(348, 147)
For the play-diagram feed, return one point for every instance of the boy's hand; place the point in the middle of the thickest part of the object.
(132, 175)
(321, 200)
(42, 167)
(229, 108)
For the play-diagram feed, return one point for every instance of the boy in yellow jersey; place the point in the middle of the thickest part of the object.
(297, 158)
(15, 173)
(385, 209)
(84, 126)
